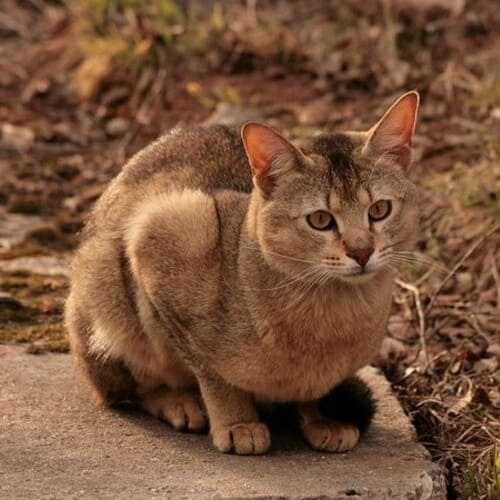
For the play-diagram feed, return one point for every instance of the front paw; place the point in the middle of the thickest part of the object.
(331, 436)
(250, 438)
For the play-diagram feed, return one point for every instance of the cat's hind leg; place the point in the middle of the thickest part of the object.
(172, 395)
(110, 381)
(113, 383)
(182, 409)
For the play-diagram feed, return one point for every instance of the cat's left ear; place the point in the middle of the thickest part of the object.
(269, 154)
(393, 134)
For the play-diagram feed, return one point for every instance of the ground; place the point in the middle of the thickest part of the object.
(83, 449)
(83, 85)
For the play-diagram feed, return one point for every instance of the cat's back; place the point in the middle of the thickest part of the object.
(208, 159)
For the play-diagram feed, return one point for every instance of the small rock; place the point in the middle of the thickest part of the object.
(17, 137)
(488, 365)
(116, 127)
(89, 75)
(391, 349)
(494, 350)
(464, 282)
(228, 114)
(15, 227)
(43, 264)
(495, 113)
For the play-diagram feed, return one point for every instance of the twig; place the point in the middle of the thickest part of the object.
(455, 268)
(420, 312)
(494, 271)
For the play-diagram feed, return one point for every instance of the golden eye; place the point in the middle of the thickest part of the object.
(321, 220)
(380, 210)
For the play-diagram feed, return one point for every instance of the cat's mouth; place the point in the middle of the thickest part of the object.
(359, 275)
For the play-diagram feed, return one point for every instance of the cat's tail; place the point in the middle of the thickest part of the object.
(351, 402)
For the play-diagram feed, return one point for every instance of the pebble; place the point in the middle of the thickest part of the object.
(486, 365)
(229, 114)
(464, 282)
(116, 127)
(495, 113)
(17, 137)
(392, 349)
(494, 350)
(43, 264)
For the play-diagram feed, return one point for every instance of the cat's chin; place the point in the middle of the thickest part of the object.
(357, 278)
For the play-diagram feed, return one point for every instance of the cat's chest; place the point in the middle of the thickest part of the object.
(302, 355)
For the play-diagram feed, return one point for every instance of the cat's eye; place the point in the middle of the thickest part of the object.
(380, 210)
(321, 220)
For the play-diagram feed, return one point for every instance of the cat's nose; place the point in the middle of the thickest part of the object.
(360, 255)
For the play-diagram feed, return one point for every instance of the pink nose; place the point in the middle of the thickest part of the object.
(360, 255)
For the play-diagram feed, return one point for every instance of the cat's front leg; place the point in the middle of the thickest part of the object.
(324, 434)
(234, 421)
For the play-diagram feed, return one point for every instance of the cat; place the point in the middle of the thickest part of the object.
(224, 268)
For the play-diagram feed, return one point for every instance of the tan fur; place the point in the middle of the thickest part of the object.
(191, 279)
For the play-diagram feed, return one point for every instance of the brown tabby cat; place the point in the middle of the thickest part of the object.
(270, 283)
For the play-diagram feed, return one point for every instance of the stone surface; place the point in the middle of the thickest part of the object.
(15, 227)
(44, 264)
(56, 444)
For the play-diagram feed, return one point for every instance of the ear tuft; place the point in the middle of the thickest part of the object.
(268, 152)
(393, 134)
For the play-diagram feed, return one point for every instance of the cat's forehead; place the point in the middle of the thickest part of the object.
(359, 199)
(336, 153)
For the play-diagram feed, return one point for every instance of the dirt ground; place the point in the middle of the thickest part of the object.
(83, 85)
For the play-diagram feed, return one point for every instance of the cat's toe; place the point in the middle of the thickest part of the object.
(183, 411)
(331, 436)
(243, 439)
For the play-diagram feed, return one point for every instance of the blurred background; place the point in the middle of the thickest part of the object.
(84, 84)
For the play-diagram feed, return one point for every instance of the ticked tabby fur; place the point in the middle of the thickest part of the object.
(246, 268)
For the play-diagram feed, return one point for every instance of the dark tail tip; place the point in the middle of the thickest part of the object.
(351, 402)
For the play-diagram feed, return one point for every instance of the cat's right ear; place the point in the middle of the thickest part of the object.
(393, 134)
(269, 154)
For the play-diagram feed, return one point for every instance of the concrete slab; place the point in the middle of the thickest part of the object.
(55, 444)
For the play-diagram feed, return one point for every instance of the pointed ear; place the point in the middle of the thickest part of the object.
(393, 134)
(269, 154)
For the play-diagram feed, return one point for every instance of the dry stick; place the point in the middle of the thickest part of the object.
(420, 312)
(465, 256)
(496, 277)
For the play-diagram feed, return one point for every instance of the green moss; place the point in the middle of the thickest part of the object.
(483, 478)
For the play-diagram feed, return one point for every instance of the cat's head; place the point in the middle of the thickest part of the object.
(338, 205)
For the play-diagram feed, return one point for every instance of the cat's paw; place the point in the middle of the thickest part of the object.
(182, 410)
(331, 436)
(251, 438)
